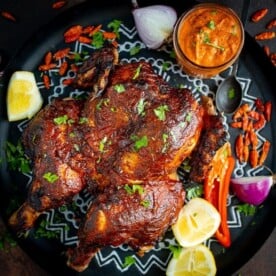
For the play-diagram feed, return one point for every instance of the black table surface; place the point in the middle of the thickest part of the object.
(33, 14)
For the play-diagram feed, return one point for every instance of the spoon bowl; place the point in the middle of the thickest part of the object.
(229, 93)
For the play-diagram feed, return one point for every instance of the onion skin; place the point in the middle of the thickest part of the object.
(154, 24)
(252, 190)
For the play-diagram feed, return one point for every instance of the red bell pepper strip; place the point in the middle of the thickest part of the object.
(216, 189)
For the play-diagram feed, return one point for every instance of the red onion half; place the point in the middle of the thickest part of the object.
(154, 24)
(253, 189)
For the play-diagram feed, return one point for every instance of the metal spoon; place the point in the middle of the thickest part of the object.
(229, 93)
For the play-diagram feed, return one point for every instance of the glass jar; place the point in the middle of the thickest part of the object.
(207, 39)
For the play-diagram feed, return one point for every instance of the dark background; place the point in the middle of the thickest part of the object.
(33, 14)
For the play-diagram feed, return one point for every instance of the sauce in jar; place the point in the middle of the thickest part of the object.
(208, 38)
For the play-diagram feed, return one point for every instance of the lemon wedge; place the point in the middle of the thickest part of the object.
(23, 96)
(197, 221)
(195, 261)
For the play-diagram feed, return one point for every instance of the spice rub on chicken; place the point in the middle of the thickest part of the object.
(141, 130)
(124, 146)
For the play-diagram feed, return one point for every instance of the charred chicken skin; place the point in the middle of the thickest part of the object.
(124, 146)
(63, 162)
(139, 142)
(53, 142)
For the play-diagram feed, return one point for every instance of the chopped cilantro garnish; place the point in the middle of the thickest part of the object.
(129, 260)
(115, 26)
(98, 40)
(78, 57)
(134, 50)
(50, 177)
(175, 250)
(83, 120)
(132, 189)
(6, 240)
(140, 142)
(137, 72)
(231, 93)
(141, 107)
(172, 54)
(61, 120)
(42, 232)
(145, 203)
(165, 138)
(188, 117)
(193, 192)
(165, 66)
(16, 158)
(119, 88)
(102, 144)
(206, 40)
(211, 25)
(160, 112)
(72, 134)
(247, 209)
(186, 165)
(104, 102)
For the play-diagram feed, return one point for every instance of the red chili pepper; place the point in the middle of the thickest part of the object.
(8, 16)
(216, 189)
(223, 233)
(267, 110)
(58, 4)
(73, 33)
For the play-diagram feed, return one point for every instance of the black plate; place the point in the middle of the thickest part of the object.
(258, 80)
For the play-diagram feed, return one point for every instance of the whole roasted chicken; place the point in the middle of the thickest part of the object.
(123, 145)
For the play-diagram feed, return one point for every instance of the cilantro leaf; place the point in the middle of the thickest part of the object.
(50, 177)
(98, 40)
(119, 88)
(141, 107)
(16, 159)
(134, 50)
(160, 112)
(176, 250)
(129, 260)
(115, 26)
(140, 142)
(247, 209)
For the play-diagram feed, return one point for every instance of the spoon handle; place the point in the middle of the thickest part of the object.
(235, 68)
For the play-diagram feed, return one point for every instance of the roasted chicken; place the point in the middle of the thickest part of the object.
(63, 163)
(124, 146)
(138, 143)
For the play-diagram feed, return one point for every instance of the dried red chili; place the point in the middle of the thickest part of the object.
(48, 58)
(271, 24)
(267, 110)
(273, 59)
(46, 81)
(265, 36)
(58, 4)
(62, 53)
(73, 33)
(46, 67)
(63, 68)
(259, 14)
(84, 39)
(266, 50)
(8, 16)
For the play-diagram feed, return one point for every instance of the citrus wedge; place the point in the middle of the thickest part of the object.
(194, 261)
(197, 221)
(23, 96)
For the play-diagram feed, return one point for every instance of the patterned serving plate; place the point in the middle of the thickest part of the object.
(56, 229)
